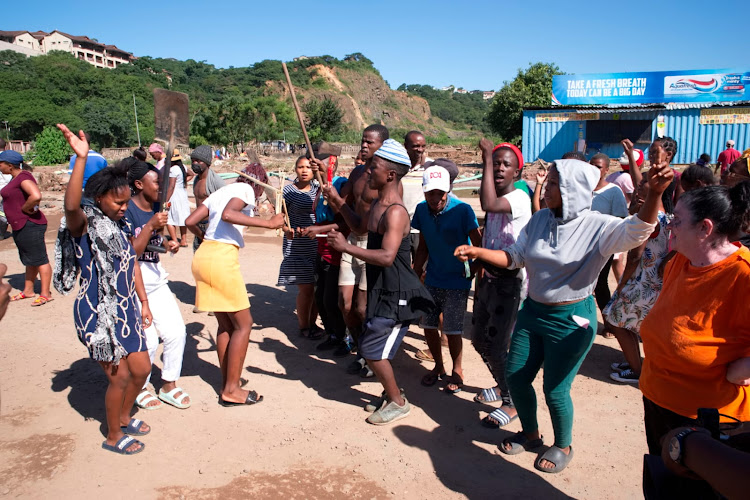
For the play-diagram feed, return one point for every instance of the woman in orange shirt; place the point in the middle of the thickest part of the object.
(696, 339)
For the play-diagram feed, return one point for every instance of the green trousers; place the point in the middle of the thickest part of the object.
(558, 337)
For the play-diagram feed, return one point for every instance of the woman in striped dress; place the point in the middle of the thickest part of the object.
(298, 266)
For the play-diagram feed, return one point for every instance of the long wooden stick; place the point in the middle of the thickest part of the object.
(301, 121)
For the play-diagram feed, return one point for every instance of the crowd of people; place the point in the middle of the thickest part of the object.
(391, 246)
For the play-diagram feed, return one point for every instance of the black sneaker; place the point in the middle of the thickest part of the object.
(330, 343)
(618, 367)
(341, 351)
(626, 376)
(355, 366)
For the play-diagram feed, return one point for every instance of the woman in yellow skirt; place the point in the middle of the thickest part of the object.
(219, 284)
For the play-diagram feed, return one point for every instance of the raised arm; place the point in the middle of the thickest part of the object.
(74, 216)
(635, 171)
(487, 195)
(536, 198)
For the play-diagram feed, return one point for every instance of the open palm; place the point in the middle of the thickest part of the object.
(78, 143)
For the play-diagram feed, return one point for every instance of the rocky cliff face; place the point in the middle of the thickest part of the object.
(365, 98)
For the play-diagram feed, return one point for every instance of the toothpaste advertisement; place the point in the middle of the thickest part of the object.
(713, 85)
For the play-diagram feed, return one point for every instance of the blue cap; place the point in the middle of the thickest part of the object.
(393, 151)
(11, 157)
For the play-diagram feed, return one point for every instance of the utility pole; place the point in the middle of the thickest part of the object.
(7, 131)
(137, 130)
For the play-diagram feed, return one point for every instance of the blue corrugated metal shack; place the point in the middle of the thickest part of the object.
(698, 128)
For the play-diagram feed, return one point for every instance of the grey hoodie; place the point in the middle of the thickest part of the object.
(564, 256)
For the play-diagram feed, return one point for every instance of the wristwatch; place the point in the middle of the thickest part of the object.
(675, 444)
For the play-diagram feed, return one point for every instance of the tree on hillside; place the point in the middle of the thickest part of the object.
(531, 87)
(323, 119)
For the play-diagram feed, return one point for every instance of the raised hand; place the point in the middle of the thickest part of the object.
(541, 175)
(627, 145)
(158, 221)
(78, 143)
(660, 175)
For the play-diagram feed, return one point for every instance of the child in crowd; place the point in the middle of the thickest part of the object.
(498, 294)
(218, 279)
(144, 229)
(177, 195)
(328, 263)
(642, 280)
(696, 176)
(444, 222)
(563, 247)
(395, 295)
(298, 266)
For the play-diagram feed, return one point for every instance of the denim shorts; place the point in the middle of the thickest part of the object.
(452, 304)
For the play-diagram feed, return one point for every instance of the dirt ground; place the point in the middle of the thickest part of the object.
(308, 438)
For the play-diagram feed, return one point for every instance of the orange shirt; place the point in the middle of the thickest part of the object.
(699, 324)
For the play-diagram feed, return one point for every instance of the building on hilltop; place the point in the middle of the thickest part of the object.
(82, 47)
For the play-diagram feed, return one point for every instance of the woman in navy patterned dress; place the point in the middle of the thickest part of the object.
(111, 301)
(298, 266)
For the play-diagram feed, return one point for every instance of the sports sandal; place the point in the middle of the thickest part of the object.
(557, 457)
(134, 428)
(21, 296)
(41, 300)
(168, 397)
(121, 447)
(520, 443)
(144, 398)
(424, 355)
(487, 396)
(252, 398)
(499, 419)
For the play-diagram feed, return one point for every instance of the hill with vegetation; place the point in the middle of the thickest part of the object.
(227, 106)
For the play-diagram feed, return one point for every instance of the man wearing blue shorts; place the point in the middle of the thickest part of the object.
(395, 295)
(444, 223)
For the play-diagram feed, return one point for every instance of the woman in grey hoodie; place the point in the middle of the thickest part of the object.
(563, 249)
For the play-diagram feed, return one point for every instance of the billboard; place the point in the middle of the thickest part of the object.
(713, 85)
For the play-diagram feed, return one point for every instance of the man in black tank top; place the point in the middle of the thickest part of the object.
(395, 295)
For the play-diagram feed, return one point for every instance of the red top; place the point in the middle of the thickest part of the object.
(727, 157)
(13, 199)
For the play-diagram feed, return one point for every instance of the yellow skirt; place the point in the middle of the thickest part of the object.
(219, 286)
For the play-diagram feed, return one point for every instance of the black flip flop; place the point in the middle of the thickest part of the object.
(252, 398)
(557, 457)
(431, 379)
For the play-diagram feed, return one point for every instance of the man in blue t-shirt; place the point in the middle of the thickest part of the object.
(94, 162)
(444, 222)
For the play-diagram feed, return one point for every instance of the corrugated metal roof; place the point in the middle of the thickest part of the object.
(626, 108)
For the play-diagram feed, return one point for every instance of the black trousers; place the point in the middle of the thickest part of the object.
(327, 298)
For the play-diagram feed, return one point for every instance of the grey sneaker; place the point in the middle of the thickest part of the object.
(618, 367)
(389, 413)
(625, 376)
(378, 402)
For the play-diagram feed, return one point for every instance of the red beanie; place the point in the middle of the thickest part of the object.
(515, 150)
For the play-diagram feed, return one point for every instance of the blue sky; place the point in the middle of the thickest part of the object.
(475, 45)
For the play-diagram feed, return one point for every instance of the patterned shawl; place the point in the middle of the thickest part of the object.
(107, 246)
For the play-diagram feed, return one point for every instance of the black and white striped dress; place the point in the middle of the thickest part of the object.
(298, 266)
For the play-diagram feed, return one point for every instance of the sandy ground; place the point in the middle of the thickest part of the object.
(307, 439)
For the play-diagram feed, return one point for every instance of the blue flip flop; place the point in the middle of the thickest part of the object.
(121, 447)
(134, 428)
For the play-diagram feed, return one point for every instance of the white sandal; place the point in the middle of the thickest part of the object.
(144, 398)
(168, 397)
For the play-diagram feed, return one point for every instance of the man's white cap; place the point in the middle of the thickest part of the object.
(436, 178)
(730, 142)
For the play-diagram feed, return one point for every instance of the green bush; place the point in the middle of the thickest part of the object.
(50, 148)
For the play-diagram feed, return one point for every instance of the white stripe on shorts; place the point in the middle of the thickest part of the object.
(390, 341)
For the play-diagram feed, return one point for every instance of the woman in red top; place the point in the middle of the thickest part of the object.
(21, 199)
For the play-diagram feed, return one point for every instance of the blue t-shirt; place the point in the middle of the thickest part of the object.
(443, 232)
(135, 219)
(323, 212)
(94, 163)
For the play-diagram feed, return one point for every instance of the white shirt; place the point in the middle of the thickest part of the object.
(413, 193)
(4, 180)
(219, 230)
